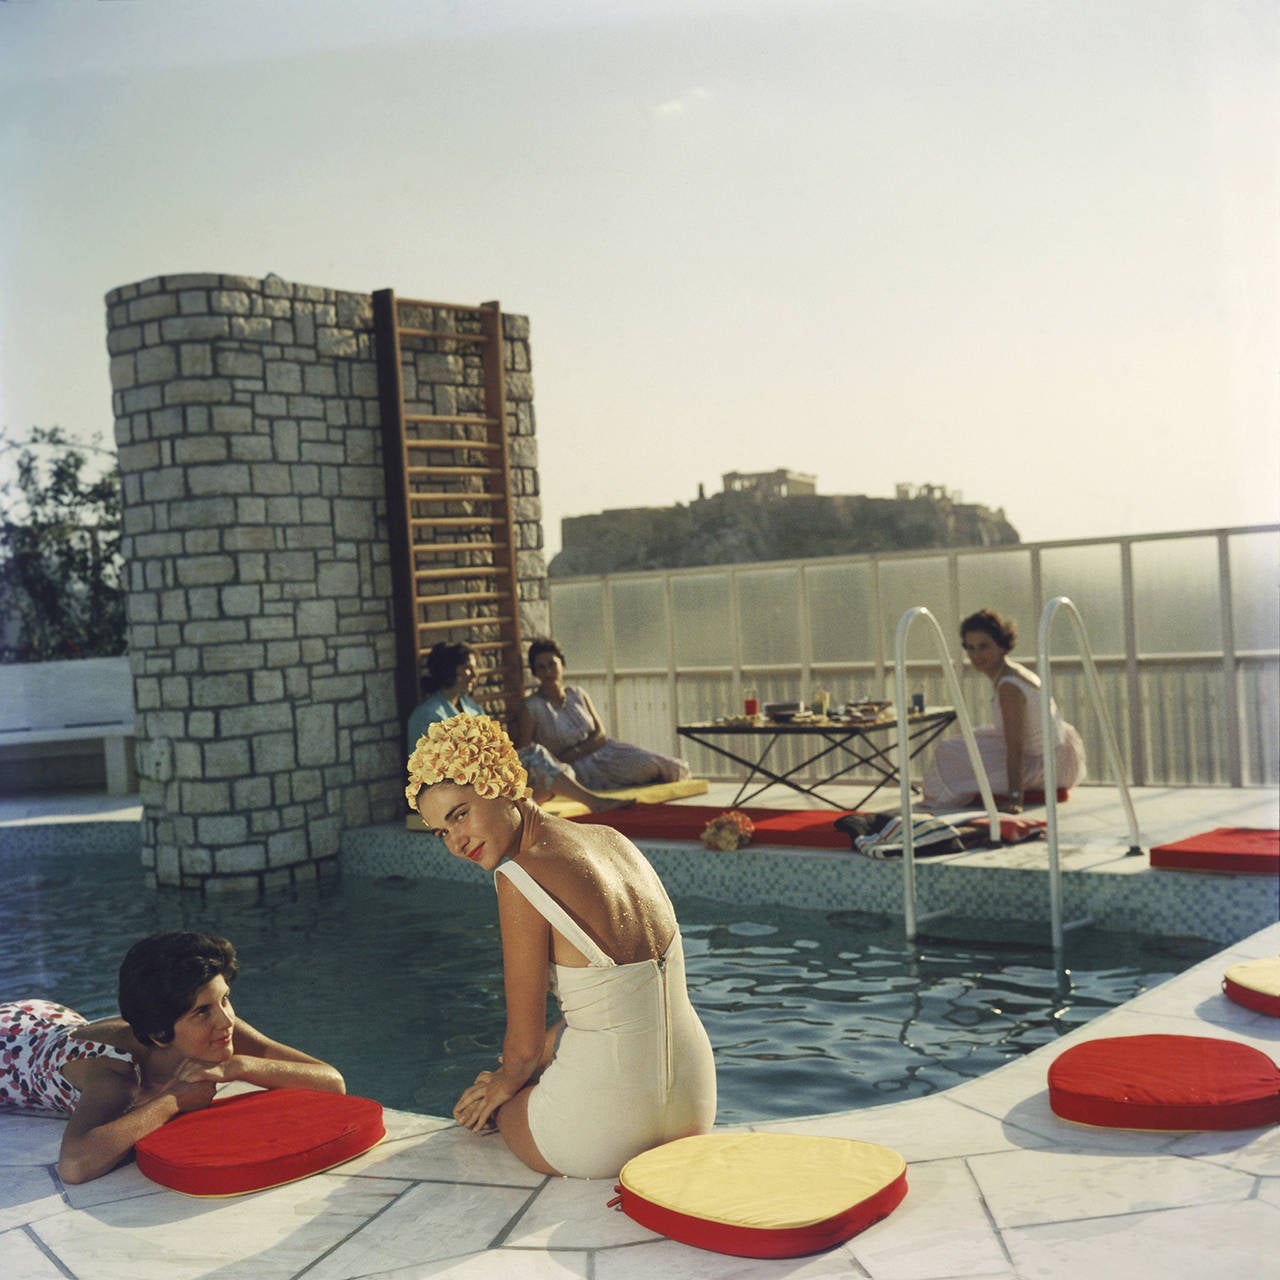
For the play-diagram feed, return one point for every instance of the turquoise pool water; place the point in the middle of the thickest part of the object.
(398, 983)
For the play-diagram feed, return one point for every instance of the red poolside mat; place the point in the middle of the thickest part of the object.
(1165, 1082)
(807, 828)
(1252, 850)
(258, 1140)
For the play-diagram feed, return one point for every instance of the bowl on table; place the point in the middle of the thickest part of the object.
(782, 712)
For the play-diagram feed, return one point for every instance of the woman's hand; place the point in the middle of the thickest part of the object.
(193, 1095)
(476, 1106)
(192, 1086)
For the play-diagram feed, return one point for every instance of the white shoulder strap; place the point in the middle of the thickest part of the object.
(553, 913)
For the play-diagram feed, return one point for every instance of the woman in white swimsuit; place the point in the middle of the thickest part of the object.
(119, 1079)
(583, 914)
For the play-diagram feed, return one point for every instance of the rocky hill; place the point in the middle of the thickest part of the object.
(742, 527)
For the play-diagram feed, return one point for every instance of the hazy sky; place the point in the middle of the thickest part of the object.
(1027, 250)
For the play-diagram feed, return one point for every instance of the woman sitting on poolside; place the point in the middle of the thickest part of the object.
(563, 719)
(121, 1078)
(1011, 749)
(583, 914)
(451, 673)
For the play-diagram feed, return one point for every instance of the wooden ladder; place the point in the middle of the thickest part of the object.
(449, 510)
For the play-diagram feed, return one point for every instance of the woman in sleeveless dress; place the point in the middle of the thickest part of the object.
(582, 914)
(451, 674)
(563, 719)
(121, 1078)
(1011, 748)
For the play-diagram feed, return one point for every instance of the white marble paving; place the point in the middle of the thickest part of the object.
(574, 1213)
(940, 1229)
(1212, 1242)
(665, 1260)
(1252, 1151)
(933, 1128)
(21, 1258)
(427, 1223)
(273, 1234)
(511, 1264)
(28, 1194)
(447, 1154)
(31, 1139)
(1023, 1188)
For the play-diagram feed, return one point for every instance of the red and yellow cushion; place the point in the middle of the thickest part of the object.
(762, 1195)
(258, 1140)
(1255, 984)
(1165, 1082)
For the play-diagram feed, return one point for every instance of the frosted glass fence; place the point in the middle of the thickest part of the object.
(1185, 629)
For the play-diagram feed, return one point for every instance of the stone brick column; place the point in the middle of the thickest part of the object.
(259, 590)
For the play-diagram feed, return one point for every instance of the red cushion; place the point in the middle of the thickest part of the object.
(1255, 984)
(762, 1195)
(258, 1140)
(1248, 849)
(809, 828)
(1033, 797)
(1165, 1082)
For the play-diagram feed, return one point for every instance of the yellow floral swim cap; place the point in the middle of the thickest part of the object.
(473, 751)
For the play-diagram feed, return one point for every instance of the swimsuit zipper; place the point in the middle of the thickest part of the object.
(661, 962)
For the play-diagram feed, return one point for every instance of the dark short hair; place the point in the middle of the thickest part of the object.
(443, 661)
(1004, 631)
(160, 975)
(539, 647)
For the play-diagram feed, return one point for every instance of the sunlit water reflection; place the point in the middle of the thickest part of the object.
(398, 982)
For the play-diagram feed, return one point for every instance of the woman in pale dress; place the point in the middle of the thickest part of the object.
(563, 719)
(1011, 748)
(583, 914)
(450, 676)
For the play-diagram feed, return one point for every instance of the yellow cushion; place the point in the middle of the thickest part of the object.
(657, 793)
(762, 1195)
(1255, 984)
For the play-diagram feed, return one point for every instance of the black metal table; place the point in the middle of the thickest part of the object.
(843, 747)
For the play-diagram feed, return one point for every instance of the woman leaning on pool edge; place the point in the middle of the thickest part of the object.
(582, 913)
(122, 1078)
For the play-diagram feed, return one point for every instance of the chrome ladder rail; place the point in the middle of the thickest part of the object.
(1045, 672)
(910, 918)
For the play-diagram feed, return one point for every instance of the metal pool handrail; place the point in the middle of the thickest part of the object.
(910, 918)
(1050, 763)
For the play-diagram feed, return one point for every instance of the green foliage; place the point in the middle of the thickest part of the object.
(61, 594)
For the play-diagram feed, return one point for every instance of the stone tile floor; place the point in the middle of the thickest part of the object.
(999, 1187)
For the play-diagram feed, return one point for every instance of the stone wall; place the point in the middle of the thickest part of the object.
(259, 584)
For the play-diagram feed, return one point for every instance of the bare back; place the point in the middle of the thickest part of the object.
(604, 882)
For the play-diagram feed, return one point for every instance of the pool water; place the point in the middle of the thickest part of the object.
(398, 982)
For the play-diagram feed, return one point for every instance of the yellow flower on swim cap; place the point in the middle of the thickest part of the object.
(473, 751)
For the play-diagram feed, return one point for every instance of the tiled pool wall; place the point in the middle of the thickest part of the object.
(1221, 908)
(79, 838)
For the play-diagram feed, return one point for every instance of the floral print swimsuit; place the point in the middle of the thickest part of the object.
(35, 1044)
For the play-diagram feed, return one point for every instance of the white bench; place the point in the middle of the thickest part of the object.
(90, 702)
